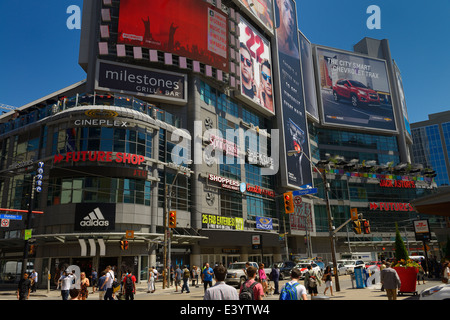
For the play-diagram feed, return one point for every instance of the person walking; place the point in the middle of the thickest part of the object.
(94, 280)
(66, 281)
(207, 276)
(84, 285)
(195, 276)
(220, 290)
(263, 277)
(251, 286)
(391, 281)
(34, 281)
(186, 276)
(446, 272)
(275, 277)
(129, 286)
(101, 289)
(177, 277)
(328, 282)
(108, 284)
(293, 290)
(312, 281)
(24, 288)
(151, 280)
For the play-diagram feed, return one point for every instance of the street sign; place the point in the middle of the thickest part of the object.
(304, 192)
(297, 200)
(5, 223)
(10, 217)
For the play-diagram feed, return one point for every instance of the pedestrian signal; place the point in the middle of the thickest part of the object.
(172, 219)
(366, 226)
(288, 202)
(123, 244)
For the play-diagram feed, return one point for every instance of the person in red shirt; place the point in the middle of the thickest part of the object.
(129, 286)
(258, 291)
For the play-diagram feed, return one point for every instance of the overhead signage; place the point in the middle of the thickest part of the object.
(259, 190)
(264, 223)
(397, 184)
(144, 82)
(100, 123)
(230, 148)
(10, 217)
(95, 217)
(211, 221)
(392, 206)
(226, 183)
(99, 156)
(422, 230)
(304, 192)
(259, 159)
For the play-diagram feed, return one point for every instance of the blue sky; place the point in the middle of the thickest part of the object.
(39, 54)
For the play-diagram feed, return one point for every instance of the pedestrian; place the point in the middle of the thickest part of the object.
(293, 290)
(446, 272)
(263, 277)
(391, 281)
(186, 276)
(177, 277)
(34, 280)
(84, 286)
(382, 267)
(220, 290)
(251, 289)
(74, 294)
(195, 276)
(151, 280)
(129, 286)
(24, 288)
(420, 275)
(66, 282)
(312, 281)
(275, 277)
(108, 284)
(207, 276)
(101, 289)
(328, 282)
(94, 280)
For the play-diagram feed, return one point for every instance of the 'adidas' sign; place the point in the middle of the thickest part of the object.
(94, 219)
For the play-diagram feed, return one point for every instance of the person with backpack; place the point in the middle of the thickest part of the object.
(293, 290)
(186, 276)
(251, 289)
(312, 281)
(129, 286)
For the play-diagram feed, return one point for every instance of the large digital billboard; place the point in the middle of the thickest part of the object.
(188, 28)
(255, 69)
(309, 82)
(354, 90)
(295, 163)
(261, 10)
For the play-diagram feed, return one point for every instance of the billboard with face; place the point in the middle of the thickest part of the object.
(354, 90)
(255, 68)
(262, 10)
(295, 164)
(188, 28)
(309, 82)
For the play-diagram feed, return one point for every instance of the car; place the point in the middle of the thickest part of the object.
(303, 267)
(356, 92)
(342, 270)
(439, 292)
(285, 268)
(373, 263)
(236, 275)
(350, 265)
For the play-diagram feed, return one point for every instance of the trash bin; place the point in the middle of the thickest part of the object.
(320, 297)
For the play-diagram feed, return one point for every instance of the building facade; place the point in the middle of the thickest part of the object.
(168, 125)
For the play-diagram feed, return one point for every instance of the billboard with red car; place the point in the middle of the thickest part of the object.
(189, 28)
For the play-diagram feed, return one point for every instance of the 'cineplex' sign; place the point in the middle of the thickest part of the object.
(391, 206)
(99, 156)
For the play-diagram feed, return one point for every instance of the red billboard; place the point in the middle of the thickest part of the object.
(188, 28)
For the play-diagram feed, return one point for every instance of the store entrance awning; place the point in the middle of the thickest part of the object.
(435, 204)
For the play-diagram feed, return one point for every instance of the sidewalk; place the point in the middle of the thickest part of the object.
(346, 293)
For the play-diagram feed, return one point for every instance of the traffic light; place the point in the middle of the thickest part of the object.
(356, 226)
(366, 226)
(123, 244)
(288, 202)
(172, 219)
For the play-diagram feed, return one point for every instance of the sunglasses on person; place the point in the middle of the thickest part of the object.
(266, 77)
(247, 61)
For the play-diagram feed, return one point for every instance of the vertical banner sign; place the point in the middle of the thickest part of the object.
(296, 168)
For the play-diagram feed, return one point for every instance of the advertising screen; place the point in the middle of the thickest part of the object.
(295, 166)
(402, 98)
(354, 90)
(309, 82)
(188, 28)
(255, 68)
(262, 10)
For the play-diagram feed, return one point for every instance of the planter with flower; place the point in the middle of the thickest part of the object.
(407, 271)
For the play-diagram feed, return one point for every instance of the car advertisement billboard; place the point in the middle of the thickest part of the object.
(261, 10)
(295, 163)
(354, 90)
(188, 28)
(255, 69)
(309, 82)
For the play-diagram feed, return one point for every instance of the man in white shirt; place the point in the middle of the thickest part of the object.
(108, 284)
(220, 291)
(66, 281)
(34, 280)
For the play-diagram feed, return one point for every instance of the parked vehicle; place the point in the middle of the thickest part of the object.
(303, 267)
(356, 92)
(236, 273)
(350, 265)
(342, 270)
(285, 268)
(440, 292)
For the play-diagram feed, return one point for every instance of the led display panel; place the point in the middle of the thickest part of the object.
(255, 69)
(354, 90)
(309, 82)
(261, 10)
(188, 28)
